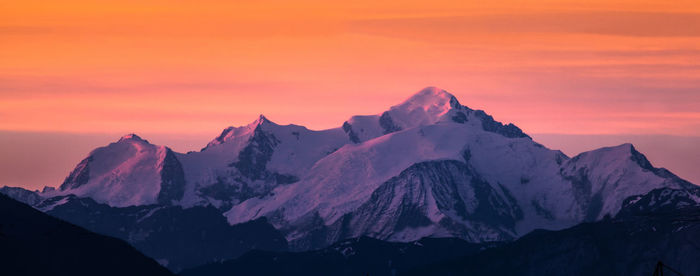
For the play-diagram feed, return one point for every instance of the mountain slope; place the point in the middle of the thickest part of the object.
(34, 243)
(128, 172)
(603, 178)
(360, 256)
(630, 244)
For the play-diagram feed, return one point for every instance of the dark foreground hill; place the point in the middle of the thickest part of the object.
(33, 243)
(360, 256)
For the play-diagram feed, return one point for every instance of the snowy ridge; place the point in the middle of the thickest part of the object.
(605, 177)
(237, 133)
(662, 200)
(426, 107)
(22, 195)
(249, 161)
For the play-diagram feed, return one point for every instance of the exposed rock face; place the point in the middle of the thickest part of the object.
(491, 125)
(351, 133)
(79, 176)
(438, 196)
(387, 124)
(253, 159)
(172, 177)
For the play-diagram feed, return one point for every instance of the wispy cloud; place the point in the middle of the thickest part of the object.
(24, 30)
(619, 23)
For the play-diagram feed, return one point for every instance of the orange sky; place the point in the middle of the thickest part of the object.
(604, 67)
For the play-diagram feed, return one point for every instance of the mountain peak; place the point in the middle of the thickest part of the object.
(432, 90)
(428, 106)
(622, 151)
(431, 97)
(132, 137)
(232, 131)
(262, 120)
(625, 149)
(617, 153)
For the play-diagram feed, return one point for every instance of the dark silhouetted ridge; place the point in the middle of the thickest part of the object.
(33, 243)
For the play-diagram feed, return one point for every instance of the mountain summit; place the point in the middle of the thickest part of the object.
(131, 171)
(133, 137)
(427, 167)
(424, 107)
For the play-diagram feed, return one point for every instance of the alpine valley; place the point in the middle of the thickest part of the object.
(428, 171)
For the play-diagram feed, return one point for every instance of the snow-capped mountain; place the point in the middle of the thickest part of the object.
(131, 171)
(22, 195)
(429, 166)
(429, 106)
(249, 161)
(602, 179)
(432, 167)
